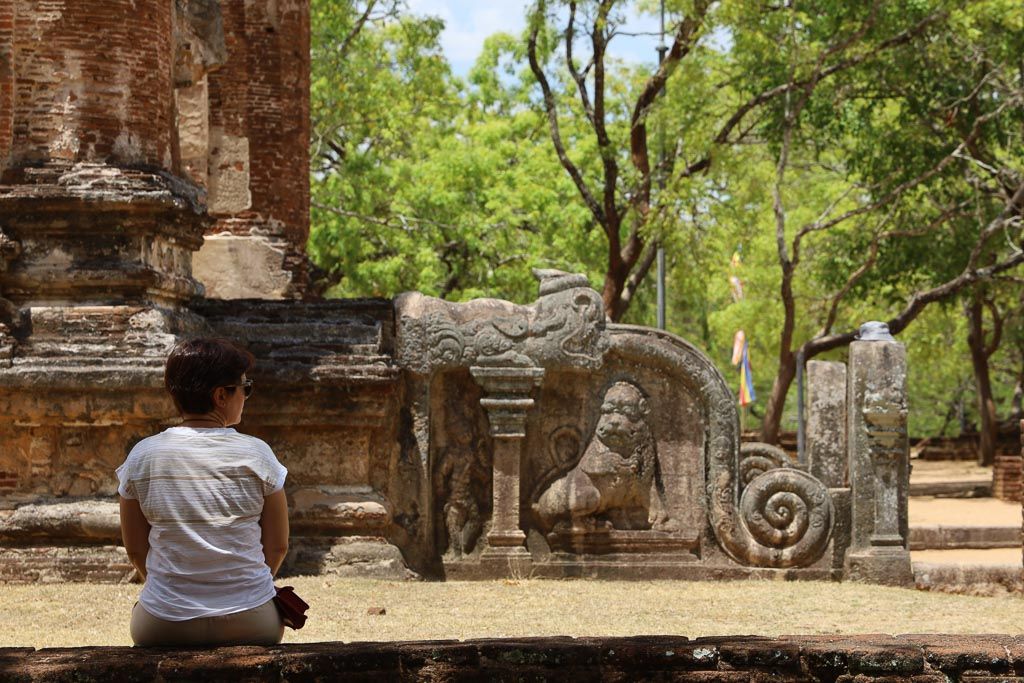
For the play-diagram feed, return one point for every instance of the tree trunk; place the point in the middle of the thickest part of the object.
(987, 426)
(772, 422)
(614, 285)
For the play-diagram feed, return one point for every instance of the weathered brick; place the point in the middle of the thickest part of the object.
(664, 653)
(753, 651)
(85, 82)
(956, 653)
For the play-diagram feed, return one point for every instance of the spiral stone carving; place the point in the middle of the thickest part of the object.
(757, 458)
(763, 513)
(790, 512)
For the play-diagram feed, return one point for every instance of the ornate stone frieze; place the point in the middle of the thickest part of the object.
(565, 328)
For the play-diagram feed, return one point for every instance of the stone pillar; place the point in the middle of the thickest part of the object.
(507, 401)
(259, 155)
(826, 422)
(86, 82)
(879, 461)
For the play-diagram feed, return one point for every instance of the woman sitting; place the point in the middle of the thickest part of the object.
(203, 512)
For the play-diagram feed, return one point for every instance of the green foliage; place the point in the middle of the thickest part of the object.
(422, 180)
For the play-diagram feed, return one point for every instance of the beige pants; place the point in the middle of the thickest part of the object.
(257, 626)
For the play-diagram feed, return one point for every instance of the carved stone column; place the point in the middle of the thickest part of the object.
(879, 461)
(507, 402)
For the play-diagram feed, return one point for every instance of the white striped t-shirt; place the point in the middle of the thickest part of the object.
(202, 490)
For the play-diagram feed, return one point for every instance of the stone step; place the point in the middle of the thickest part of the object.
(970, 488)
(940, 537)
(968, 578)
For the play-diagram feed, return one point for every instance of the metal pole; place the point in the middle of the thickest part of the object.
(662, 49)
(801, 454)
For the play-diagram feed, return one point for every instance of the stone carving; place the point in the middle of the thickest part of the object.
(790, 512)
(879, 462)
(615, 482)
(563, 449)
(758, 458)
(565, 327)
(784, 516)
(9, 250)
(782, 507)
(464, 478)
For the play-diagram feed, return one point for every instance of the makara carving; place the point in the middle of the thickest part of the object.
(608, 486)
(565, 327)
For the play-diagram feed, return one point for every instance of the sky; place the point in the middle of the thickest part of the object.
(469, 22)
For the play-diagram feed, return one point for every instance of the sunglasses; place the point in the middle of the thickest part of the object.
(246, 387)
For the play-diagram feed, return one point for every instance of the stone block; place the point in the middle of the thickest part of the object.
(335, 510)
(92, 664)
(954, 654)
(754, 652)
(193, 119)
(346, 556)
(237, 267)
(660, 653)
(88, 521)
(826, 422)
(228, 188)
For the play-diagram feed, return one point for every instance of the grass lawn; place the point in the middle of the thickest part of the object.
(64, 615)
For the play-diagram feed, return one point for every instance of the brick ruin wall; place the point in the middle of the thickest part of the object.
(721, 659)
(74, 87)
(259, 134)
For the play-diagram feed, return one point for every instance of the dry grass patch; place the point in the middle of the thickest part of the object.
(90, 614)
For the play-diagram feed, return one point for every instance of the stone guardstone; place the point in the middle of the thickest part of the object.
(879, 463)
(826, 422)
(560, 445)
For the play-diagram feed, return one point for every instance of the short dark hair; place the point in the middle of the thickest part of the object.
(198, 366)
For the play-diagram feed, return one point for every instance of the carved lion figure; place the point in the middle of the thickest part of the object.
(615, 481)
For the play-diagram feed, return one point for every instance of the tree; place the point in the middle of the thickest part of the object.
(931, 195)
(423, 181)
(618, 189)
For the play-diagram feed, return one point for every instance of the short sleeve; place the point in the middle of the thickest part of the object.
(270, 471)
(126, 486)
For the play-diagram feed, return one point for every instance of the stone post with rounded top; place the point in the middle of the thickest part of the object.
(879, 466)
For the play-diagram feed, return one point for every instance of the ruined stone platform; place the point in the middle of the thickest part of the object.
(920, 658)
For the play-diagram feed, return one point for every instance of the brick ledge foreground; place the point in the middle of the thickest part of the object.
(917, 658)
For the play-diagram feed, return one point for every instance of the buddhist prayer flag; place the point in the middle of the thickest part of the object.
(736, 288)
(739, 342)
(747, 395)
(740, 347)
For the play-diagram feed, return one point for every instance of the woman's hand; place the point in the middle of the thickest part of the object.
(274, 522)
(135, 534)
